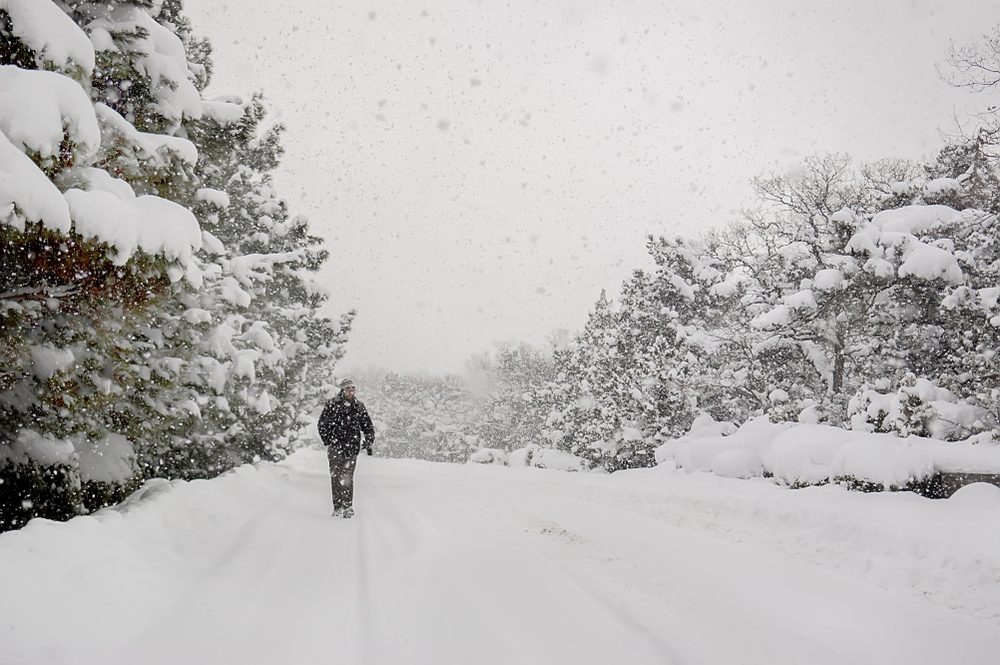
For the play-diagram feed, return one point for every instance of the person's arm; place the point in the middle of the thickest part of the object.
(368, 429)
(325, 424)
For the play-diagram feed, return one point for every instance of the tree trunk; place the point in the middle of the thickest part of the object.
(838, 369)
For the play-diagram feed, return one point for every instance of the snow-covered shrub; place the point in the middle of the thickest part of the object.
(799, 455)
(522, 456)
(918, 407)
(550, 458)
(978, 495)
(489, 456)
(547, 458)
(737, 463)
(698, 449)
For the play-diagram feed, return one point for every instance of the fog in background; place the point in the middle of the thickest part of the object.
(482, 170)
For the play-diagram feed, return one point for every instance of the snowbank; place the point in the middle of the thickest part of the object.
(806, 454)
(127, 558)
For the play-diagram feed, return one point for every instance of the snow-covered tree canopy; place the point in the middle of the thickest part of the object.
(842, 299)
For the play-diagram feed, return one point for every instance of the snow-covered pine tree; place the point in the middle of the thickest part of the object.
(636, 373)
(128, 331)
(86, 254)
(585, 419)
(966, 175)
(664, 340)
(939, 265)
(242, 361)
(267, 255)
(515, 411)
(145, 82)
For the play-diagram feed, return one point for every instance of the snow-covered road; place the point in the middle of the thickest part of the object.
(468, 564)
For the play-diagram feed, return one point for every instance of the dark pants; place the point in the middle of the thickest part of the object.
(341, 477)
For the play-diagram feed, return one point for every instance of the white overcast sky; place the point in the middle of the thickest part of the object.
(481, 170)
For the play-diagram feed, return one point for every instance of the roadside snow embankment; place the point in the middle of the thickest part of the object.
(942, 551)
(126, 559)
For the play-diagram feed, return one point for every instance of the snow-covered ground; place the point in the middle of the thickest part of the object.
(484, 564)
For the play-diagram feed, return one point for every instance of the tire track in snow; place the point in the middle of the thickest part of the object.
(556, 565)
(269, 576)
(889, 558)
(364, 591)
(387, 538)
(562, 565)
(202, 594)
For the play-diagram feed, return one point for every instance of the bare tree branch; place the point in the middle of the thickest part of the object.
(975, 66)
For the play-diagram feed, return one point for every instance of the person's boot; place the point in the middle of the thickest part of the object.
(348, 512)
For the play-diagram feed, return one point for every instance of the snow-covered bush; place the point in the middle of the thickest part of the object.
(920, 408)
(547, 458)
(800, 455)
(522, 457)
(551, 458)
(489, 456)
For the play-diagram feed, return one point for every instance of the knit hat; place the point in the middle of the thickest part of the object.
(346, 383)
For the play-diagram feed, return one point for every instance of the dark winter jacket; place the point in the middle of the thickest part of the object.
(343, 422)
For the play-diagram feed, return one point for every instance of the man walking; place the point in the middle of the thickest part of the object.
(341, 426)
